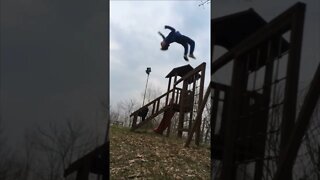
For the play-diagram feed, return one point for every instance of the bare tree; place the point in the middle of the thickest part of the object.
(58, 146)
(10, 166)
(204, 2)
(114, 115)
(125, 108)
(153, 92)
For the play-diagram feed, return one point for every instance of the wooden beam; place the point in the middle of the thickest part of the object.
(198, 117)
(199, 111)
(169, 84)
(238, 87)
(86, 159)
(266, 100)
(214, 110)
(291, 89)
(191, 113)
(300, 128)
(182, 108)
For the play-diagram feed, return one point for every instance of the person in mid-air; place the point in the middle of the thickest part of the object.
(175, 36)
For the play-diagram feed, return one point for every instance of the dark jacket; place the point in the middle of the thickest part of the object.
(173, 36)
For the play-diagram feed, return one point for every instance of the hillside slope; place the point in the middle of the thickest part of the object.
(151, 156)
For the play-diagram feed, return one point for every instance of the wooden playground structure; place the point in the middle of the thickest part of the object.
(184, 95)
(255, 130)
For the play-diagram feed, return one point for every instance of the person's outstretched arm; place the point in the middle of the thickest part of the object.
(169, 27)
(163, 37)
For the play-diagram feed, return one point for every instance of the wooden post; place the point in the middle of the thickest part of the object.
(214, 111)
(134, 122)
(158, 104)
(153, 107)
(198, 132)
(182, 108)
(178, 94)
(169, 84)
(191, 112)
(266, 100)
(301, 126)
(291, 89)
(174, 87)
(238, 87)
(198, 117)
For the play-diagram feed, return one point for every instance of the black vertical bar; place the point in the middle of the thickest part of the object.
(239, 79)
(200, 100)
(265, 105)
(290, 153)
(192, 103)
(214, 111)
(167, 97)
(182, 108)
(290, 99)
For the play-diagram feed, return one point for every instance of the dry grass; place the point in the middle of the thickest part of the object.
(151, 156)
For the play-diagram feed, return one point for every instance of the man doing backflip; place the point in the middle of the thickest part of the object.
(175, 36)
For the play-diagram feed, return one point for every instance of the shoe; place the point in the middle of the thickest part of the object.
(192, 56)
(185, 58)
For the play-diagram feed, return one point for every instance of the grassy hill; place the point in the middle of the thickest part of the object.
(147, 155)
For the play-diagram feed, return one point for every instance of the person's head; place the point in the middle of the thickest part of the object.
(164, 46)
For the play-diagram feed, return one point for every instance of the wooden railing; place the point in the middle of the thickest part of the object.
(156, 103)
(156, 106)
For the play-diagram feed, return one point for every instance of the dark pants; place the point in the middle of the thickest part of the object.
(184, 41)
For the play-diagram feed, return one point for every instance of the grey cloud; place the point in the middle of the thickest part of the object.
(52, 50)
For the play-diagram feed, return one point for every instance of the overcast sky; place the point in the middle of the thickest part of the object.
(53, 63)
(135, 43)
